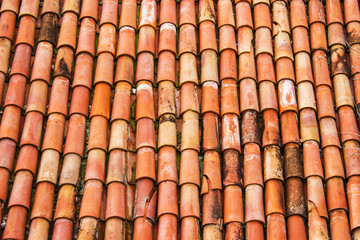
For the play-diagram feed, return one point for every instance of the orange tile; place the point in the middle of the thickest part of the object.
(26, 31)
(300, 39)
(316, 12)
(209, 69)
(274, 198)
(298, 16)
(248, 95)
(115, 201)
(167, 228)
(188, 69)
(114, 227)
(207, 35)
(53, 138)
(353, 201)
(168, 12)
(27, 159)
(225, 13)
(95, 167)
(211, 134)
(5, 47)
(43, 201)
(351, 159)
(254, 208)
(267, 95)
(328, 132)
(228, 65)
(166, 67)
(348, 126)
(308, 126)
(39, 228)
(281, 21)
(320, 68)
(287, 96)
(67, 35)
(4, 176)
(285, 69)
(263, 41)
(233, 206)
(316, 196)
(128, 13)
(145, 100)
(167, 165)
(189, 167)
(148, 14)
(351, 11)
(247, 65)
(15, 224)
(243, 15)
(15, 95)
(107, 39)
(289, 128)
(89, 9)
(336, 34)
(21, 190)
(316, 224)
(187, 39)
(10, 6)
(187, 15)
(296, 228)
(325, 102)
(312, 159)
(109, 12)
(210, 97)
(190, 228)
(245, 39)
(265, 68)
(317, 36)
(32, 129)
(230, 126)
(276, 227)
(282, 46)
(190, 138)
(339, 225)
(335, 194)
(254, 230)
(333, 12)
(262, 17)
(271, 133)
(189, 201)
(126, 42)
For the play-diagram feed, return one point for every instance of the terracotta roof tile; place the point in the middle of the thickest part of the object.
(228, 119)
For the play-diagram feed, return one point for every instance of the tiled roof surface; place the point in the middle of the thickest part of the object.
(180, 119)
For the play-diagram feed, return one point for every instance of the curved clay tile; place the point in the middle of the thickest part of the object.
(171, 125)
